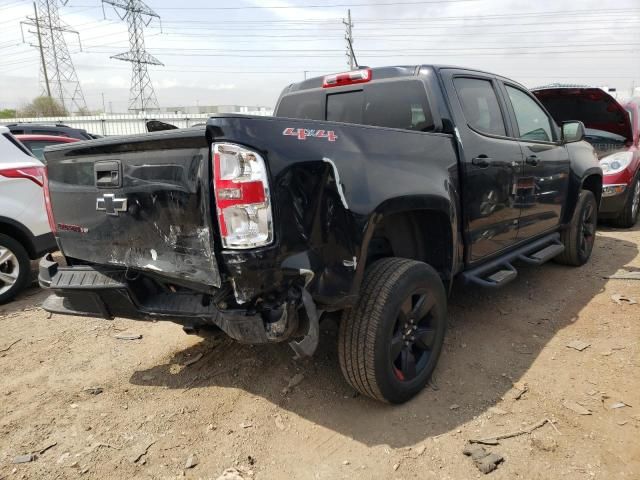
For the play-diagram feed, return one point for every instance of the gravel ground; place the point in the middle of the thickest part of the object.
(168, 405)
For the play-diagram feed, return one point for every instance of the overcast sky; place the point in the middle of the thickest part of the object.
(246, 51)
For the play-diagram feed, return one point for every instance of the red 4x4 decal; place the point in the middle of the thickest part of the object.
(303, 133)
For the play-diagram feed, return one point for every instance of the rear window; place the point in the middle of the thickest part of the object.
(394, 104)
(37, 147)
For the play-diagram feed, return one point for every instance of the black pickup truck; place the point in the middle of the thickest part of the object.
(363, 198)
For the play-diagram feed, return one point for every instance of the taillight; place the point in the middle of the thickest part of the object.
(242, 197)
(347, 78)
(47, 200)
(35, 174)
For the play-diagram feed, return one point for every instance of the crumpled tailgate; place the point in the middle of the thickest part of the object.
(140, 202)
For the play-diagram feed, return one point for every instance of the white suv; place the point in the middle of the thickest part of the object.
(24, 228)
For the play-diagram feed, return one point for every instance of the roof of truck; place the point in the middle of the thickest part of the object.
(384, 72)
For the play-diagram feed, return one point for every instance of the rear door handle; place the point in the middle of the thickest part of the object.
(481, 161)
(532, 160)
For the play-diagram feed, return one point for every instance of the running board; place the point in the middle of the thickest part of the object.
(499, 272)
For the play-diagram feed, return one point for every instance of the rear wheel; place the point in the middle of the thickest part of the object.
(629, 215)
(389, 343)
(579, 237)
(15, 268)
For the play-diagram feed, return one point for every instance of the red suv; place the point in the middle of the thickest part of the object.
(613, 129)
(37, 143)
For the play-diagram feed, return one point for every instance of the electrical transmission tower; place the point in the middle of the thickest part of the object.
(348, 36)
(58, 76)
(138, 15)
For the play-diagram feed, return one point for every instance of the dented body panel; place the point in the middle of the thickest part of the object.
(140, 202)
(328, 195)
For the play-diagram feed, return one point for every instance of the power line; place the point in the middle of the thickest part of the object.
(57, 72)
(142, 96)
(302, 7)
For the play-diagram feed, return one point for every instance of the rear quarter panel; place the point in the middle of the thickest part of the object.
(328, 195)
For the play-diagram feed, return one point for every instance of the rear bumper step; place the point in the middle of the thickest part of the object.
(499, 272)
(106, 293)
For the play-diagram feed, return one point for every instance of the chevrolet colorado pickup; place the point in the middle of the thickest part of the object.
(363, 198)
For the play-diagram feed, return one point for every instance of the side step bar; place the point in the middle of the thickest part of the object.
(500, 271)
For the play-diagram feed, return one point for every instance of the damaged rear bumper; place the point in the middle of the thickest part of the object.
(106, 292)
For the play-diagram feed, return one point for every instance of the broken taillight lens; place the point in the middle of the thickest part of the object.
(242, 197)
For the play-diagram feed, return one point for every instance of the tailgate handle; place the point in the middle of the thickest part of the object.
(107, 174)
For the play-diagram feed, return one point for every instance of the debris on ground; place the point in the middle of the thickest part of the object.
(485, 461)
(140, 451)
(396, 466)
(615, 405)
(93, 390)
(191, 462)
(193, 360)
(293, 382)
(576, 407)
(620, 299)
(625, 275)
(8, 347)
(47, 447)
(494, 440)
(128, 336)
(29, 457)
(578, 345)
(454, 406)
(230, 474)
(520, 389)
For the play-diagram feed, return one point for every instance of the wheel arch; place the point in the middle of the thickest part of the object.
(591, 180)
(422, 228)
(22, 234)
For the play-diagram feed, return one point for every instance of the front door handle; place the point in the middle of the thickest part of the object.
(532, 160)
(481, 161)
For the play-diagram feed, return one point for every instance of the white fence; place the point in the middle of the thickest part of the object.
(124, 124)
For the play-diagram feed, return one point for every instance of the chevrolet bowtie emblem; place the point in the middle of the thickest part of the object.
(110, 204)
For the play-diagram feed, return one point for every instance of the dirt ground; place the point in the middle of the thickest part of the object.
(158, 413)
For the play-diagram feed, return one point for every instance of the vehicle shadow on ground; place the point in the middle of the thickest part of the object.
(493, 339)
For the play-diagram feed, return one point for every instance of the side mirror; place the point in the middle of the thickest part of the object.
(572, 131)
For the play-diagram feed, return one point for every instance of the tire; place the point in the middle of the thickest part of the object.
(629, 215)
(579, 237)
(15, 268)
(374, 358)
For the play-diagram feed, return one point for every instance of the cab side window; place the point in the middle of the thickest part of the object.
(480, 105)
(533, 122)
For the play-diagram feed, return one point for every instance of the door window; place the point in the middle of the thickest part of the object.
(533, 122)
(480, 105)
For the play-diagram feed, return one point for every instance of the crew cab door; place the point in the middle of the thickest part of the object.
(542, 189)
(491, 162)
